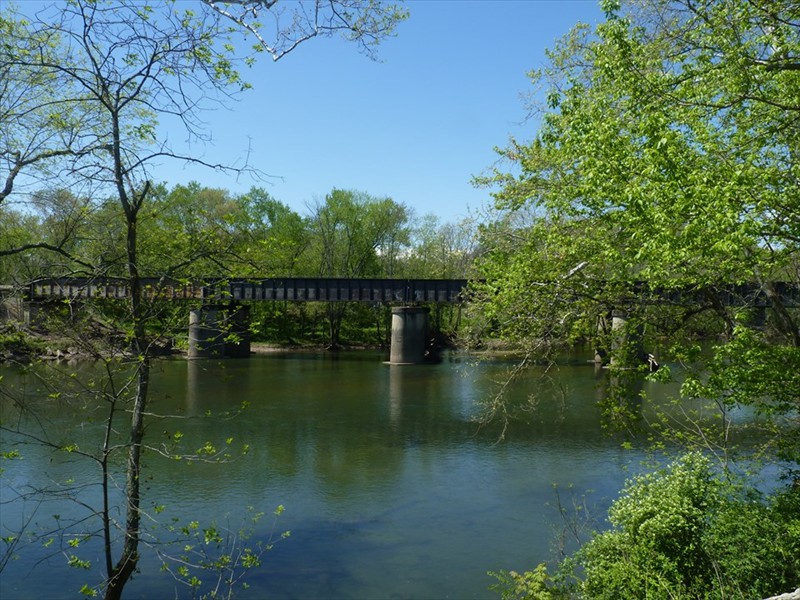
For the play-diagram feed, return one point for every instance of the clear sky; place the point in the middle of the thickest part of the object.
(415, 126)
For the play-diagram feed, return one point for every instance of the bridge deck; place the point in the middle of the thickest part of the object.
(299, 289)
(327, 289)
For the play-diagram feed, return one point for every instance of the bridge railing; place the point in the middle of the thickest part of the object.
(345, 290)
(743, 294)
(111, 288)
(298, 289)
(408, 291)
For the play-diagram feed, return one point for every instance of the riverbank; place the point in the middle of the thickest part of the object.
(24, 346)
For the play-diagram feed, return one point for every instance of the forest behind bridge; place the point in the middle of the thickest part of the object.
(220, 235)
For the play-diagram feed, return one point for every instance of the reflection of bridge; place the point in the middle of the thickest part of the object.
(224, 308)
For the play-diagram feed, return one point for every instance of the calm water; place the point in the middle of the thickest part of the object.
(391, 488)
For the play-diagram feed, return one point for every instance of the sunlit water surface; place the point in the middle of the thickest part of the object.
(391, 487)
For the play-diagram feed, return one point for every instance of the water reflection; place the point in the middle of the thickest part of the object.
(392, 486)
(395, 394)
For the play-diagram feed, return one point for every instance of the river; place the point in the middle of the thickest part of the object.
(391, 487)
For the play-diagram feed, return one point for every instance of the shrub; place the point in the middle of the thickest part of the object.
(683, 532)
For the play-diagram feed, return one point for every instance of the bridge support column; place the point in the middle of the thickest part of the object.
(603, 334)
(219, 332)
(409, 332)
(627, 350)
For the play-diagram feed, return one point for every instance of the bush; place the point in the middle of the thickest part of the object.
(530, 585)
(755, 546)
(656, 545)
(683, 532)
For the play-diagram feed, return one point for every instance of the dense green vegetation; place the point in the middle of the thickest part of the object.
(667, 161)
(191, 233)
(681, 532)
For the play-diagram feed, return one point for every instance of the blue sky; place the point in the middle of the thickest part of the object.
(415, 126)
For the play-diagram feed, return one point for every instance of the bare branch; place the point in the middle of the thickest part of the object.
(365, 22)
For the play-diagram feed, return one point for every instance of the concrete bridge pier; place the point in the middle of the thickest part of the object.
(627, 349)
(603, 333)
(409, 334)
(219, 332)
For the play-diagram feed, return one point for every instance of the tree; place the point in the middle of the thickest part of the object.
(271, 236)
(224, 236)
(116, 64)
(363, 22)
(442, 250)
(663, 175)
(17, 229)
(354, 235)
(655, 171)
(85, 86)
(48, 235)
(192, 222)
(270, 240)
(353, 230)
(44, 135)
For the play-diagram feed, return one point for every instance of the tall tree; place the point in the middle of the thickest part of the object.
(442, 250)
(665, 161)
(664, 172)
(352, 230)
(271, 237)
(44, 133)
(44, 239)
(355, 235)
(85, 85)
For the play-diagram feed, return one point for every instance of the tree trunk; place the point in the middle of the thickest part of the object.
(335, 314)
(129, 558)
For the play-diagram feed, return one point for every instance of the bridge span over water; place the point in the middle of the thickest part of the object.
(378, 290)
(224, 304)
(296, 289)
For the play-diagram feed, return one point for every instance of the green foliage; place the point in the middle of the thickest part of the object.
(685, 532)
(354, 235)
(214, 559)
(751, 370)
(214, 234)
(15, 342)
(755, 545)
(357, 235)
(663, 514)
(663, 173)
(530, 585)
(78, 563)
(441, 250)
(272, 237)
(88, 591)
(639, 185)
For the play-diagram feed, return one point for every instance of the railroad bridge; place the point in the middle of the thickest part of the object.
(224, 307)
(224, 303)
